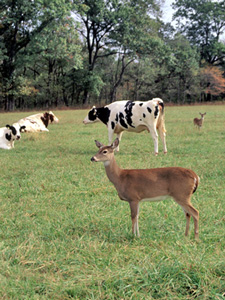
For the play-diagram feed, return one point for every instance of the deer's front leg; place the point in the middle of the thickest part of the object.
(134, 207)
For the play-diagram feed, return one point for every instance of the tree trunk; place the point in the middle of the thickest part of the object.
(8, 84)
(119, 78)
(112, 96)
(9, 103)
(86, 97)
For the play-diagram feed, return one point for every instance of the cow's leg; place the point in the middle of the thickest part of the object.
(162, 131)
(163, 138)
(44, 129)
(4, 146)
(119, 136)
(110, 135)
(154, 135)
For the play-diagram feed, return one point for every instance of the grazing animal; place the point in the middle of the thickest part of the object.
(9, 134)
(199, 122)
(38, 122)
(138, 185)
(131, 116)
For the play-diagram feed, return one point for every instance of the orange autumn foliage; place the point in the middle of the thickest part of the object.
(213, 80)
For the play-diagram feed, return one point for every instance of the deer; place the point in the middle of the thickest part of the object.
(139, 185)
(199, 122)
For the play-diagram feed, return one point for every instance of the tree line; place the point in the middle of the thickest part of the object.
(74, 53)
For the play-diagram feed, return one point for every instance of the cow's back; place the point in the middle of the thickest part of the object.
(133, 116)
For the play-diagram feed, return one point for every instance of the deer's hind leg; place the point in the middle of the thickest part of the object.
(189, 211)
(188, 217)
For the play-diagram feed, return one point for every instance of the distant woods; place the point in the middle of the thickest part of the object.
(75, 53)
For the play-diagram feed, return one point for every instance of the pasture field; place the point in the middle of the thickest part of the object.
(64, 233)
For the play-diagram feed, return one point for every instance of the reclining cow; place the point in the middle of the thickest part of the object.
(131, 116)
(38, 122)
(9, 134)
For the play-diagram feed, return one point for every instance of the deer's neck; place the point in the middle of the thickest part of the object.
(113, 171)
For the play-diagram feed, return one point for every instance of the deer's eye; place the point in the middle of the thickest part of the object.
(105, 151)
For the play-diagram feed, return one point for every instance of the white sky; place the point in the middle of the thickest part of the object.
(167, 11)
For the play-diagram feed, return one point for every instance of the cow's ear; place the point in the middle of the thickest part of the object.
(14, 131)
(22, 128)
(94, 110)
(8, 126)
(98, 144)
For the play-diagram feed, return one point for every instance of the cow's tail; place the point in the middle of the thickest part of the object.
(160, 122)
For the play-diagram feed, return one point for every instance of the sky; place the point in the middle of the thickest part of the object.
(167, 11)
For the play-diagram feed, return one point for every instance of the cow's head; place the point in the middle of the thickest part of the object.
(49, 117)
(91, 116)
(53, 118)
(14, 132)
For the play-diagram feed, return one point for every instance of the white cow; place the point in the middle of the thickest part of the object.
(38, 122)
(131, 116)
(9, 134)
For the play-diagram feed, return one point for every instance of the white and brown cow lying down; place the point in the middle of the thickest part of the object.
(131, 116)
(9, 134)
(38, 122)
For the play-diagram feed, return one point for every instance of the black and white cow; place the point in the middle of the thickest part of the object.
(38, 122)
(131, 116)
(9, 134)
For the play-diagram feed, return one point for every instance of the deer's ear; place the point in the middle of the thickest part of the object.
(115, 143)
(98, 144)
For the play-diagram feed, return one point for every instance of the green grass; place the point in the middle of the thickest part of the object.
(64, 233)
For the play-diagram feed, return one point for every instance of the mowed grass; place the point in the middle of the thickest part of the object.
(64, 233)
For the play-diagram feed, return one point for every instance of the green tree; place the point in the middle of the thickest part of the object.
(53, 53)
(170, 72)
(113, 27)
(22, 21)
(203, 22)
(183, 70)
